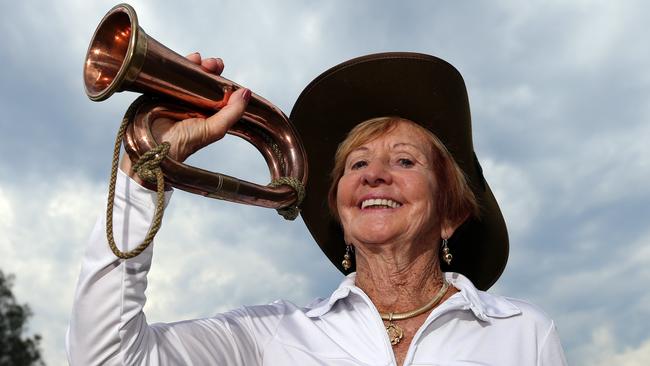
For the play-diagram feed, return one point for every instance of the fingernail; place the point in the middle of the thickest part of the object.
(246, 95)
(217, 61)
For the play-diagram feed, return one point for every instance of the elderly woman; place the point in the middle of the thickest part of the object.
(410, 220)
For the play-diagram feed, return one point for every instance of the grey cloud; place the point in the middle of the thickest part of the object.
(559, 94)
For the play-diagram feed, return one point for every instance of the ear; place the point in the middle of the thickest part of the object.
(448, 227)
(346, 240)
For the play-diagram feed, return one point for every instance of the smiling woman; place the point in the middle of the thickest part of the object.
(397, 167)
(454, 198)
(411, 222)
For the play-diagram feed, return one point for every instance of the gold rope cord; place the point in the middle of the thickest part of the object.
(148, 168)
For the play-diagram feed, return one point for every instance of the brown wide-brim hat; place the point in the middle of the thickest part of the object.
(417, 87)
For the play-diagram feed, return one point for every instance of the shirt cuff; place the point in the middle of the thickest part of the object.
(130, 191)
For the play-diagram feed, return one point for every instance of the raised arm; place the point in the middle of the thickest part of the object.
(108, 326)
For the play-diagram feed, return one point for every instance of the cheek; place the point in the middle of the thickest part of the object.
(343, 191)
(432, 203)
(419, 186)
(423, 194)
(345, 199)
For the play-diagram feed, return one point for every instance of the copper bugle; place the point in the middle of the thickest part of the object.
(121, 56)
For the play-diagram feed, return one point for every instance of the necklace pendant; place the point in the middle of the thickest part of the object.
(395, 333)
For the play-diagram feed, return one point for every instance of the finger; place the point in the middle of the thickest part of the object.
(213, 65)
(218, 124)
(194, 57)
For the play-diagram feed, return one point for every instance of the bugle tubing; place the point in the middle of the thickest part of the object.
(121, 56)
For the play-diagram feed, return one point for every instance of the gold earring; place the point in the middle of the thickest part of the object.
(446, 255)
(347, 258)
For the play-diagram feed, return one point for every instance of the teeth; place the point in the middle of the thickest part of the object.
(381, 202)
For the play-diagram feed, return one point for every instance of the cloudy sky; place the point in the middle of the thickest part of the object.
(560, 96)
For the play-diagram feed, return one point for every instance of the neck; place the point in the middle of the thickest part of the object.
(398, 280)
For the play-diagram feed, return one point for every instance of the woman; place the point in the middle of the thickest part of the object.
(408, 201)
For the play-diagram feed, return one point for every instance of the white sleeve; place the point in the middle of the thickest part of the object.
(107, 325)
(551, 352)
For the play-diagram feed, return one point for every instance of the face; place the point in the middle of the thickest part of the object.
(387, 190)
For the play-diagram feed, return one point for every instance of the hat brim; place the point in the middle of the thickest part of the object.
(423, 89)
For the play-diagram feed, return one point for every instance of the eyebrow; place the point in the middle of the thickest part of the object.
(359, 148)
(396, 145)
(399, 144)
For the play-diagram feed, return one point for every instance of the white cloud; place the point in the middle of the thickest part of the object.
(311, 28)
(516, 193)
(42, 247)
(603, 350)
(6, 210)
(605, 296)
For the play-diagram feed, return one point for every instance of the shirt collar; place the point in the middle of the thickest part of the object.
(482, 304)
(321, 306)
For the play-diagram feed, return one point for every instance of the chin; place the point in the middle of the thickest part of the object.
(375, 229)
(378, 237)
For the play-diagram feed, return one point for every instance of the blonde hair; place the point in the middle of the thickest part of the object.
(455, 200)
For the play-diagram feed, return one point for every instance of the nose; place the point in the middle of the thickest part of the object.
(377, 173)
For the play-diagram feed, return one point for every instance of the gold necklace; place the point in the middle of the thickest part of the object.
(395, 332)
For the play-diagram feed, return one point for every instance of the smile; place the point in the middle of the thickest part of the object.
(379, 203)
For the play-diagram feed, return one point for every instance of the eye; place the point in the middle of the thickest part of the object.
(405, 162)
(358, 164)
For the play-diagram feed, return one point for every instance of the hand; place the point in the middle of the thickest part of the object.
(190, 135)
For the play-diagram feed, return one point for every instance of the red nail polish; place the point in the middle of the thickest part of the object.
(246, 95)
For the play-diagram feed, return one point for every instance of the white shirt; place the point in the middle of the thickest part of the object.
(108, 326)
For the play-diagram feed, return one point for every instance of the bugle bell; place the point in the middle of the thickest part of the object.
(121, 56)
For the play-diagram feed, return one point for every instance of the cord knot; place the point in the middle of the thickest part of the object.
(148, 165)
(292, 211)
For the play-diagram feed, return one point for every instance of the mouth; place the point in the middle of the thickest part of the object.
(379, 203)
